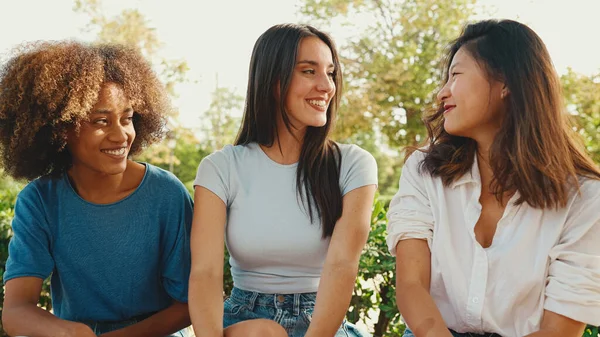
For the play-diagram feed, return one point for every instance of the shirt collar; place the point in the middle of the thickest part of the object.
(469, 177)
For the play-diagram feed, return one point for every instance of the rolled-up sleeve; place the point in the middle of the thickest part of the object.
(409, 215)
(573, 285)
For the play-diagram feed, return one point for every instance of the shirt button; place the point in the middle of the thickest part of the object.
(280, 298)
(475, 299)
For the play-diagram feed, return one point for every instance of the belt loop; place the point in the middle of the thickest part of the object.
(296, 304)
(252, 300)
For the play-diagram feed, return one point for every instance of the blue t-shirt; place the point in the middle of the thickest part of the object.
(108, 262)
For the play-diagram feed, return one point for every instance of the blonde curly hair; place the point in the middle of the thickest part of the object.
(49, 88)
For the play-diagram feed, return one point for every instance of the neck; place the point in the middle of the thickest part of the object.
(100, 187)
(287, 147)
(485, 169)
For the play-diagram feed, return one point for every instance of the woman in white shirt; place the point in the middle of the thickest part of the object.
(496, 223)
(293, 206)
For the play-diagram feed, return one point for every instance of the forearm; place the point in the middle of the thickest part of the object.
(333, 298)
(206, 305)
(163, 323)
(420, 312)
(17, 321)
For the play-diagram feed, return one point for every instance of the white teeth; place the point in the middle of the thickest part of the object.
(118, 152)
(318, 103)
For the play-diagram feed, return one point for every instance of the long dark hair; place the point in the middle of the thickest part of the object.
(273, 62)
(536, 151)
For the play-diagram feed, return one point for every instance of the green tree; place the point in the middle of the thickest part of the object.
(392, 65)
(130, 27)
(582, 94)
(391, 68)
(221, 123)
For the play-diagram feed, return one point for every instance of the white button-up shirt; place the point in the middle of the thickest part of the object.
(539, 259)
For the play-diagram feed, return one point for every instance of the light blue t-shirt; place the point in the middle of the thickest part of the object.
(108, 262)
(274, 246)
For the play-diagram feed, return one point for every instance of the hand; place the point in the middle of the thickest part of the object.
(80, 330)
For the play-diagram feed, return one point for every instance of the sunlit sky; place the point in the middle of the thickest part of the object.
(216, 36)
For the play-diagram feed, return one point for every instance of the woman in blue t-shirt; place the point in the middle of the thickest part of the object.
(293, 206)
(112, 233)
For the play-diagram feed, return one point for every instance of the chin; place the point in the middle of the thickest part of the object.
(115, 169)
(318, 122)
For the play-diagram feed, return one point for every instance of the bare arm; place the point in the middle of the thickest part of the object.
(341, 265)
(163, 323)
(555, 325)
(413, 276)
(206, 276)
(20, 310)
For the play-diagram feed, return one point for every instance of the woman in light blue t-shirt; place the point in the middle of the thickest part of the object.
(112, 233)
(292, 206)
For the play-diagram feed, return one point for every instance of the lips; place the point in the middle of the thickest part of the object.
(448, 108)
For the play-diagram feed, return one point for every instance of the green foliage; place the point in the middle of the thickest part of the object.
(221, 124)
(392, 65)
(375, 286)
(9, 190)
(180, 153)
(582, 94)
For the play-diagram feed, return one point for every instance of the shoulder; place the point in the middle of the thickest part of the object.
(353, 151)
(163, 180)
(353, 155)
(415, 159)
(42, 189)
(231, 153)
(358, 167)
(588, 194)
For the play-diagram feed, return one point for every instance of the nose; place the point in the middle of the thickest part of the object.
(119, 133)
(325, 83)
(444, 93)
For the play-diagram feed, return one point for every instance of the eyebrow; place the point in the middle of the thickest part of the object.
(107, 111)
(454, 66)
(314, 63)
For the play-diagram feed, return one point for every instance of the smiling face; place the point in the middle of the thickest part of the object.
(312, 85)
(104, 139)
(473, 104)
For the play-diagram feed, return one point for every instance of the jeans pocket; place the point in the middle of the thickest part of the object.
(306, 315)
(232, 308)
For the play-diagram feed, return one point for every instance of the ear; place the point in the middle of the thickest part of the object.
(504, 92)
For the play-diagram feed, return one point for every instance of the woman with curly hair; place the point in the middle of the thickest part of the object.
(112, 233)
(496, 222)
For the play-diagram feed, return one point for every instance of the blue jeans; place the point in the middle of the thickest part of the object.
(292, 311)
(408, 333)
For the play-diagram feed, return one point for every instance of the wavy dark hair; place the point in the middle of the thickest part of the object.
(272, 63)
(48, 88)
(536, 152)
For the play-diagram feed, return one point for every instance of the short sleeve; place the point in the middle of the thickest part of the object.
(573, 284)
(213, 173)
(359, 169)
(409, 214)
(29, 250)
(176, 257)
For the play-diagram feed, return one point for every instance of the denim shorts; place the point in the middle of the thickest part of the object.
(292, 311)
(408, 333)
(103, 327)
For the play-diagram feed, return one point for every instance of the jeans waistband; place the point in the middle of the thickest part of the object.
(292, 302)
